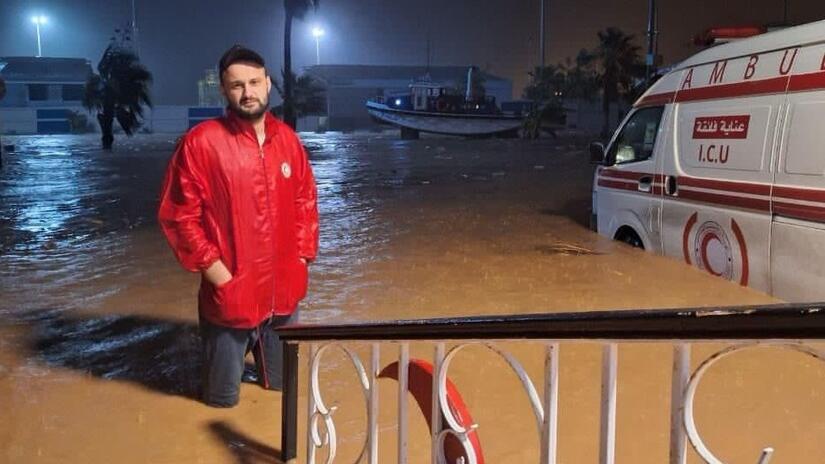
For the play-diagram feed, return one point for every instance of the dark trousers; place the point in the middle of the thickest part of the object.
(224, 350)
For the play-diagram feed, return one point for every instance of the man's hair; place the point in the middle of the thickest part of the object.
(238, 53)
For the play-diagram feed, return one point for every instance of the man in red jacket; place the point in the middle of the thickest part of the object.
(239, 206)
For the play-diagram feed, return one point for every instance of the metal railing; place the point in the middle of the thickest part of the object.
(786, 326)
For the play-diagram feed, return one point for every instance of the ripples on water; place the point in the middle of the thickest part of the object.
(86, 277)
(66, 208)
(70, 212)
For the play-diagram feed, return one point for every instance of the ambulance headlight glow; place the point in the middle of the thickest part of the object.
(397, 102)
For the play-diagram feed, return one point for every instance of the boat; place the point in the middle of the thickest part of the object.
(442, 109)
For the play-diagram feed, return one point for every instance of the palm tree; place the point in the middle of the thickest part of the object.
(309, 96)
(546, 91)
(580, 77)
(292, 9)
(118, 92)
(619, 64)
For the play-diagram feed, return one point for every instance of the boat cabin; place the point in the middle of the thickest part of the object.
(425, 95)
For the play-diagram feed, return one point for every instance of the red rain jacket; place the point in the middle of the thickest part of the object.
(225, 197)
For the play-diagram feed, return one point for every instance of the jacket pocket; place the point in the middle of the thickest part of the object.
(227, 298)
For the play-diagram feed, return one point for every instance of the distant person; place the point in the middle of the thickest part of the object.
(239, 206)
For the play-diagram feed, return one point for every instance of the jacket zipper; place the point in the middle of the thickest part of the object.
(271, 224)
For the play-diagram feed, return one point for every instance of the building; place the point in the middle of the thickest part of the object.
(45, 95)
(209, 89)
(41, 93)
(348, 88)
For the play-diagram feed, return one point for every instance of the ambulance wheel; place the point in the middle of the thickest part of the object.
(629, 236)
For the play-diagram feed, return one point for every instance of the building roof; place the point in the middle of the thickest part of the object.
(30, 69)
(344, 74)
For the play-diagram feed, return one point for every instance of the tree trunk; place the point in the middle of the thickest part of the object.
(289, 108)
(106, 121)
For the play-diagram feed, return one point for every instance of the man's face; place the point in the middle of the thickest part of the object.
(246, 88)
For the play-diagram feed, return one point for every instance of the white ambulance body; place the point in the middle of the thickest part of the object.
(721, 164)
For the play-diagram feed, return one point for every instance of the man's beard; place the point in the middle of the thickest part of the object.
(250, 115)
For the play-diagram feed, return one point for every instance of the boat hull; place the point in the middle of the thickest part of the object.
(445, 123)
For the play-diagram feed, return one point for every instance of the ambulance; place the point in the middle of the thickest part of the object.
(721, 164)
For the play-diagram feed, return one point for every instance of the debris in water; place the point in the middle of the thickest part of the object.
(565, 248)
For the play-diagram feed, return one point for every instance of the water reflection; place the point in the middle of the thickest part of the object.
(426, 228)
(69, 212)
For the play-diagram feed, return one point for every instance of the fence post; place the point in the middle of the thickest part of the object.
(289, 405)
(372, 413)
(403, 386)
(549, 433)
(681, 376)
(438, 361)
(607, 445)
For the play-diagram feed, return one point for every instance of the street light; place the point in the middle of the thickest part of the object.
(317, 32)
(38, 21)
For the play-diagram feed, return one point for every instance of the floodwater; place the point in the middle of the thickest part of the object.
(98, 331)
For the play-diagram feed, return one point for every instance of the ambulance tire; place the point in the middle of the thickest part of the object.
(629, 236)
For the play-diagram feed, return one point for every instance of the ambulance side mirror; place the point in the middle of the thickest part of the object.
(596, 153)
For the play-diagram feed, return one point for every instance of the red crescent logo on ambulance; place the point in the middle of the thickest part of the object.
(691, 222)
(743, 250)
(712, 250)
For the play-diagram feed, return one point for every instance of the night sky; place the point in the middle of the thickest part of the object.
(180, 39)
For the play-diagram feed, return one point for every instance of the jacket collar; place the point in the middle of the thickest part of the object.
(241, 126)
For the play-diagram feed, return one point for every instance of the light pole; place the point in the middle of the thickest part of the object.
(38, 21)
(541, 33)
(135, 31)
(317, 32)
(650, 59)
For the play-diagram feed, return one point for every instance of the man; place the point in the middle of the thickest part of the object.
(238, 205)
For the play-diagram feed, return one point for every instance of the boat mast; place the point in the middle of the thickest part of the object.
(428, 50)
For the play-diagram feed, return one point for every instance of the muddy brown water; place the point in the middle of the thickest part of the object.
(98, 331)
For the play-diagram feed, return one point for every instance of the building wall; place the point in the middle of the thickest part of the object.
(17, 95)
(587, 117)
(502, 90)
(18, 121)
(160, 119)
(346, 107)
(167, 119)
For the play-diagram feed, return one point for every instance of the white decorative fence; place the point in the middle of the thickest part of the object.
(788, 326)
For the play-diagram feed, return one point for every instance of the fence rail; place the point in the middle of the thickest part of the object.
(788, 326)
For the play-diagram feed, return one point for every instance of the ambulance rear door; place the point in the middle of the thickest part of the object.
(798, 229)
